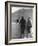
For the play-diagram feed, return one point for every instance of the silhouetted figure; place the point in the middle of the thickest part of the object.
(22, 26)
(29, 25)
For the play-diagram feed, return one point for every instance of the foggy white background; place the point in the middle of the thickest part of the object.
(2, 23)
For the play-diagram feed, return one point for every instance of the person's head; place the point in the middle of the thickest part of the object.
(29, 18)
(22, 17)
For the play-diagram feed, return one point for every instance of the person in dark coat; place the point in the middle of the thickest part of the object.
(29, 25)
(22, 25)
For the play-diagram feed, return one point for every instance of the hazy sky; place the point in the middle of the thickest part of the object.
(14, 9)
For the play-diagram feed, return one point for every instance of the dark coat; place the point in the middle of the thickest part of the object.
(22, 25)
(29, 25)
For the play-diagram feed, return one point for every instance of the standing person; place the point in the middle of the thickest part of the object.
(29, 25)
(22, 26)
